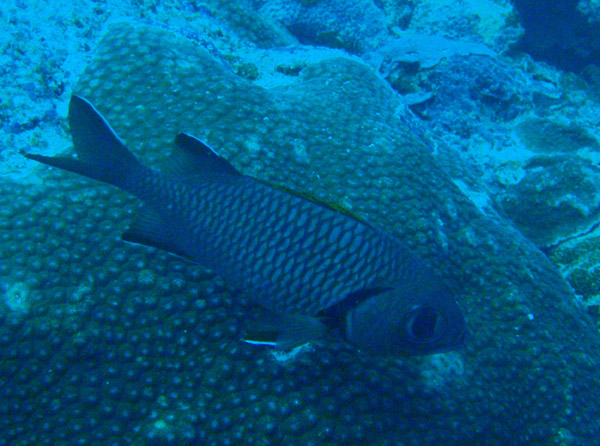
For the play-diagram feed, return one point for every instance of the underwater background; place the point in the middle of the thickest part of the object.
(470, 130)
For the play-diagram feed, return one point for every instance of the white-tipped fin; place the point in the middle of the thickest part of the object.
(286, 331)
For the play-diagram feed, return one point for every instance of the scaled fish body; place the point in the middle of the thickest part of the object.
(311, 264)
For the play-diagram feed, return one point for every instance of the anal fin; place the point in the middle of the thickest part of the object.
(149, 229)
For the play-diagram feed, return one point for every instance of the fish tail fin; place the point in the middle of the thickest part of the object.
(101, 154)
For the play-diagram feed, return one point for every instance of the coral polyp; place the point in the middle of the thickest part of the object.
(17, 297)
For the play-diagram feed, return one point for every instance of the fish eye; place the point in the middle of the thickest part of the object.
(423, 324)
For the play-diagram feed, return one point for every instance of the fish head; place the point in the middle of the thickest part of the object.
(418, 320)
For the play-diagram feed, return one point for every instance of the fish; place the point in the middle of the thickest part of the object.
(314, 267)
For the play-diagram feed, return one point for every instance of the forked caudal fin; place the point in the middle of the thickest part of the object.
(101, 154)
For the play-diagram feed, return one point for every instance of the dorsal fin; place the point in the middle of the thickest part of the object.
(192, 157)
(313, 199)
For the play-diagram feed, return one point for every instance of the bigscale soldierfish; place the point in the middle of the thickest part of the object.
(313, 266)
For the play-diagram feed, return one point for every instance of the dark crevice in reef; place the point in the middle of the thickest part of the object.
(582, 234)
(558, 33)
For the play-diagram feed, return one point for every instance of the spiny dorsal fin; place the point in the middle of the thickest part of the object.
(192, 157)
(313, 199)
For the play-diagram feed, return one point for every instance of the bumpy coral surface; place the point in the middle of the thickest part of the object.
(126, 345)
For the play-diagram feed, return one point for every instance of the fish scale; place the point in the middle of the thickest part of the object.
(314, 266)
(263, 242)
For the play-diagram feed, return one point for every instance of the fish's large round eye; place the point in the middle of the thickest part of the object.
(423, 324)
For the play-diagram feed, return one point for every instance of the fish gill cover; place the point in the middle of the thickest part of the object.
(121, 345)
